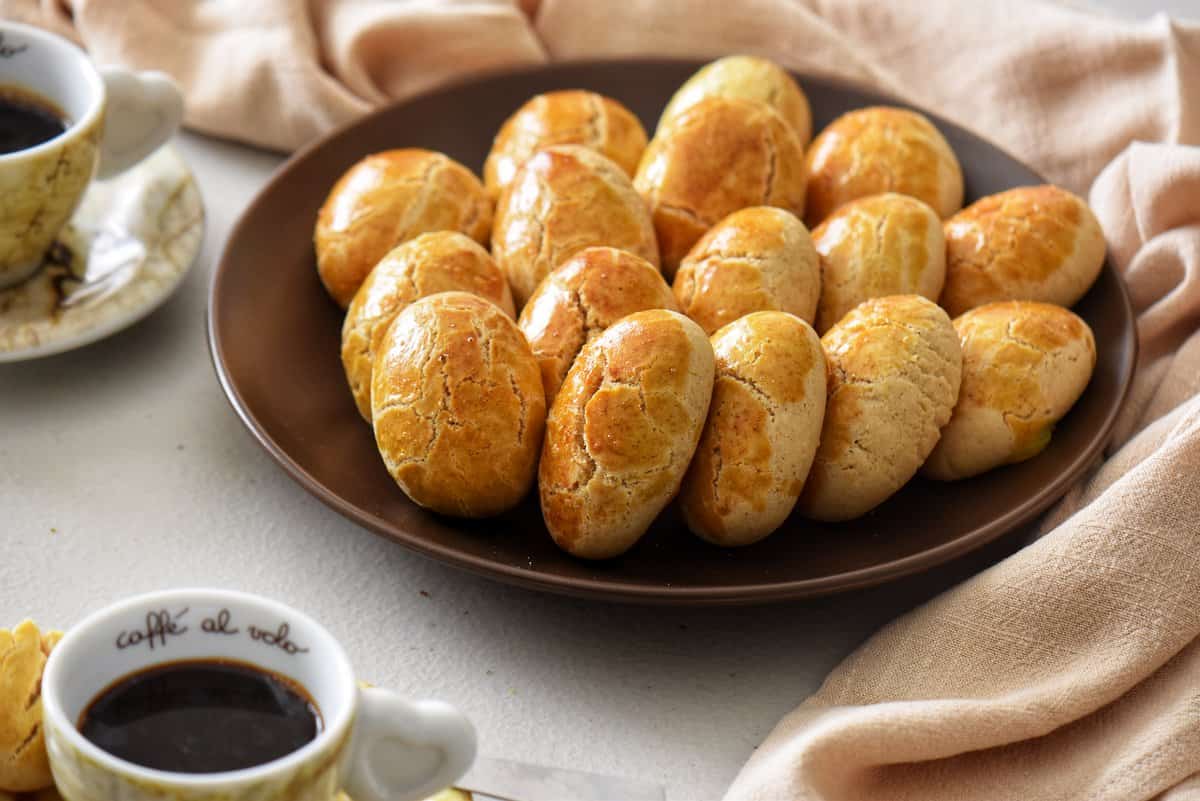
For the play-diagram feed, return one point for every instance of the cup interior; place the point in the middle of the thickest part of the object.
(51, 67)
(186, 625)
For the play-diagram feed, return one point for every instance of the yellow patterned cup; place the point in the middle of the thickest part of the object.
(115, 118)
(374, 744)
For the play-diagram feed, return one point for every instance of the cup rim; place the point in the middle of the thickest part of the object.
(69, 50)
(333, 731)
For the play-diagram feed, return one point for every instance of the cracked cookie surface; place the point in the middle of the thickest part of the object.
(566, 117)
(762, 430)
(23, 652)
(879, 245)
(389, 198)
(622, 430)
(881, 149)
(458, 406)
(756, 259)
(746, 78)
(564, 199)
(715, 157)
(441, 261)
(1037, 243)
(580, 299)
(894, 369)
(1025, 364)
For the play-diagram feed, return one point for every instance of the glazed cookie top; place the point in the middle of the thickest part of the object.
(881, 149)
(567, 117)
(895, 366)
(1024, 366)
(389, 198)
(580, 299)
(879, 245)
(762, 429)
(746, 78)
(622, 431)
(1038, 243)
(441, 261)
(714, 158)
(457, 405)
(564, 199)
(758, 259)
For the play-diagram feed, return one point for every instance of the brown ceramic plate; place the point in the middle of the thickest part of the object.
(275, 341)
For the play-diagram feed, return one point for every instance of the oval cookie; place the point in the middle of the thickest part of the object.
(714, 158)
(881, 149)
(566, 117)
(389, 198)
(894, 371)
(877, 246)
(457, 405)
(756, 259)
(1031, 243)
(1024, 366)
(622, 430)
(762, 431)
(565, 199)
(746, 78)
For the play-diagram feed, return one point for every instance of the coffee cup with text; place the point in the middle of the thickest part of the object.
(370, 742)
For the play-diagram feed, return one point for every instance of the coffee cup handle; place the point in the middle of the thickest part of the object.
(144, 109)
(405, 751)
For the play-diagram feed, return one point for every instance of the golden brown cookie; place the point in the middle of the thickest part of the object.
(1031, 243)
(458, 406)
(746, 78)
(442, 261)
(565, 199)
(877, 246)
(762, 431)
(1024, 366)
(757, 259)
(566, 117)
(23, 763)
(713, 158)
(389, 198)
(881, 149)
(894, 371)
(622, 431)
(583, 296)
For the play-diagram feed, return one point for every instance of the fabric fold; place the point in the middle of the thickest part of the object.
(1067, 671)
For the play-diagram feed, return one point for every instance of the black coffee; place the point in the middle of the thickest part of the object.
(27, 120)
(201, 717)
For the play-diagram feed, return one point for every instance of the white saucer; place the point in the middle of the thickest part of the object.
(129, 245)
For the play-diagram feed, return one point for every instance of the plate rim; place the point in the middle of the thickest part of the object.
(117, 324)
(661, 594)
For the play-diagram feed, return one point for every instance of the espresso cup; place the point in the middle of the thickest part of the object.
(374, 744)
(115, 118)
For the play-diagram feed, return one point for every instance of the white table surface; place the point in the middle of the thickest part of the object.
(123, 469)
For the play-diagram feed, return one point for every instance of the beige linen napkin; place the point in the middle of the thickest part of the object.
(1066, 90)
(1069, 671)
